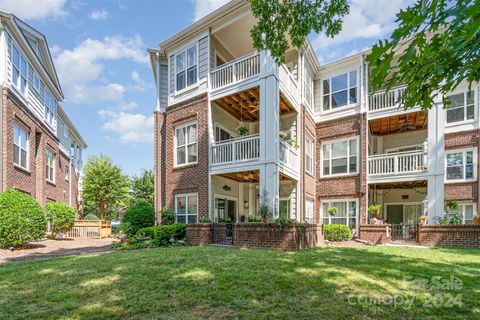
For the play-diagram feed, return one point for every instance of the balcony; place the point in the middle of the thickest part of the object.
(235, 71)
(401, 163)
(289, 84)
(381, 100)
(288, 156)
(236, 150)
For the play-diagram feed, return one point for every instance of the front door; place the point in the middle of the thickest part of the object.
(395, 213)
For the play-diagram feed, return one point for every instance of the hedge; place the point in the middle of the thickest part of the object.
(336, 232)
(163, 235)
(60, 216)
(139, 215)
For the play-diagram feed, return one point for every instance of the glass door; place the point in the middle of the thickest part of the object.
(412, 213)
(395, 213)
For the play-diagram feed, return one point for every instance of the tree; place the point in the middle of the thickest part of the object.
(104, 186)
(61, 217)
(434, 48)
(143, 187)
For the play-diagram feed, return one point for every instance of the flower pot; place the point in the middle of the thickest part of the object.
(476, 220)
(265, 219)
(373, 221)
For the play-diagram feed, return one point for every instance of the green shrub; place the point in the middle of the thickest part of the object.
(205, 220)
(255, 218)
(283, 221)
(91, 216)
(139, 215)
(168, 216)
(336, 232)
(61, 217)
(21, 219)
(163, 235)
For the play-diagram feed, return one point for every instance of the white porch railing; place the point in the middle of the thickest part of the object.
(286, 77)
(384, 100)
(235, 71)
(234, 150)
(397, 163)
(288, 155)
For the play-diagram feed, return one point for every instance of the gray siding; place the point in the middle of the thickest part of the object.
(64, 139)
(163, 83)
(203, 58)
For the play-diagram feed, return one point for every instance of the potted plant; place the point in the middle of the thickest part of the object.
(423, 219)
(476, 220)
(332, 211)
(293, 142)
(205, 220)
(242, 130)
(264, 206)
(374, 209)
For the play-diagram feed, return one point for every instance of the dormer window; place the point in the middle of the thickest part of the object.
(186, 68)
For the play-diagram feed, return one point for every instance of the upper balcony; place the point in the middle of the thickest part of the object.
(381, 103)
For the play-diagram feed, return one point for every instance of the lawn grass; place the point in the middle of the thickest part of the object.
(214, 283)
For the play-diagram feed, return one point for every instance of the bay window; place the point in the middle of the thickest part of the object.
(186, 151)
(186, 208)
(20, 146)
(460, 165)
(346, 212)
(50, 166)
(339, 157)
(186, 68)
(460, 107)
(340, 91)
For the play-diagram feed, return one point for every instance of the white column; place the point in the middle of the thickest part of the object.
(251, 199)
(436, 161)
(241, 199)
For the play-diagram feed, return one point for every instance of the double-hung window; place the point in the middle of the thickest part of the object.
(186, 208)
(340, 91)
(460, 107)
(186, 144)
(19, 70)
(309, 211)
(346, 212)
(339, 157)
(20, 146)
(468, 210)
(461, 164)
(36, 82)
(309, 147)
(49, 166)
(50, 108)
(186, 68)
(308, 87)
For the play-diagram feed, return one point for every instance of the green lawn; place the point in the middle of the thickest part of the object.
(214, 283)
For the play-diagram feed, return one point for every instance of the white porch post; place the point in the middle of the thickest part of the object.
(241, 199)
(251, 199)
(436, 161)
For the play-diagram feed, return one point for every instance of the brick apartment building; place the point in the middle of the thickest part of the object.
(41, 150)
(230, 123)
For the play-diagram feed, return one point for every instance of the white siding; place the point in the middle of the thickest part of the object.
(65, 142)
(163, 83)
(203, 58)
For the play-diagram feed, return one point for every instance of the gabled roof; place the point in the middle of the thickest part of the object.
(29, 35)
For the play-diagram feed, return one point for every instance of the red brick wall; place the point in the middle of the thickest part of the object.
(199, 234)
(307, 181)
(32, 181)
(450, 235)
(339, 187)
(189, 179)
(376, 234)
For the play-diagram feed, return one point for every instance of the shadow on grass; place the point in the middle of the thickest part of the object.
(207, 282)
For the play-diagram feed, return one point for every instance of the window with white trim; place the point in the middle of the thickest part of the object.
(346, 212)
(186, 208)
(309, 159)
(19, 70)
(460, 165)
(308, 210)
(50, 108)
(36, 82)
(308, 87)
(186, 151)
(460, 107)
(67, 173)
(186, 68)
(340, 91)
(49, 165)
(339, 157)
(468, 212)
(20, 146)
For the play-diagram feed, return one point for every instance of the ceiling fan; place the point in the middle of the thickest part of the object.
(405, 126)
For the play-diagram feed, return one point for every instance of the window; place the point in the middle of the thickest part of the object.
(186, 144)
(468, 211)
(222, 134)
(340, 91)
(50, 166)
(36, 82)
(19, 70)
(346, 212)
(65, 131)
(339, 157)
(67, 173)
(308, 87)
(20, 146)
(186, 208)
(309, 146)
(309, 211)
(50, 107)
(284, 208)
(461, 165)
(186, 68)
(460, 107)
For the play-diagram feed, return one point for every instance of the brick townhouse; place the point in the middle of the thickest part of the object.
(230, 123)
(41, 148)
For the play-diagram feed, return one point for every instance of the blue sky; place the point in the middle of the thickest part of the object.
(99, 50)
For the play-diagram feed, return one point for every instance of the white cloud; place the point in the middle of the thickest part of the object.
(368, 19)
(98, 14)
(80, 69)
(130, 127)
(204, 7)
(34, 9)
(140, 84)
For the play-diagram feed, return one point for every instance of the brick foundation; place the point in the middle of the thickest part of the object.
(376, 234)
(199, 234)
(450, 235)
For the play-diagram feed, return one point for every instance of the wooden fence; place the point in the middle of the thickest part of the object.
(90, 229)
